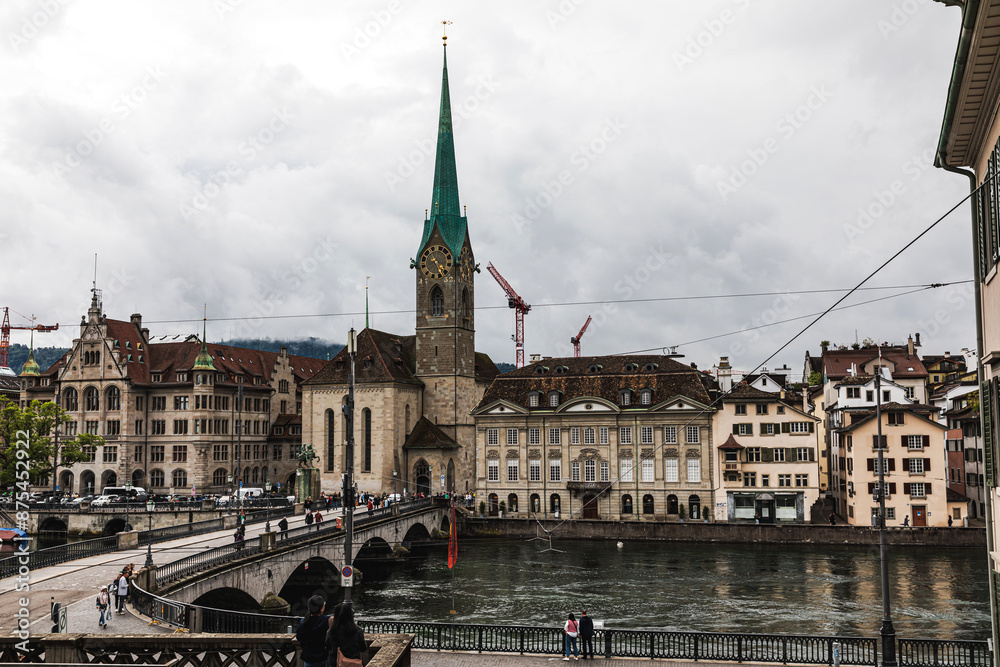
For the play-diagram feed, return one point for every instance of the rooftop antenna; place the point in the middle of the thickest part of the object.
(444, 32)
(367, 278)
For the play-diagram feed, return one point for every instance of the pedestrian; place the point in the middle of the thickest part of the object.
(371, 506)
(308, 503)
(570, 631)
(906, 520)
(122, 593)
(586, 635)
(312, 631)
(283, 526)
(949, 521)
(238, 538)
(833, 519)
(113, 588)
(346, 641)
(309, 520)
(102, 606)
(318, 518)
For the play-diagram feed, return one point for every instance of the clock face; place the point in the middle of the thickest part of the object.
(465, 265)
(435, 261)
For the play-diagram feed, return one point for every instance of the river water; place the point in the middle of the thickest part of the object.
(823, 590)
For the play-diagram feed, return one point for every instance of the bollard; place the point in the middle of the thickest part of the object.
(836, 654)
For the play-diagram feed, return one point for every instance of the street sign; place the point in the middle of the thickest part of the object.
(347, 576)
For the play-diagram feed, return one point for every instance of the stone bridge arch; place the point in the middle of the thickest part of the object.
(53, 524)
(114, 526)
(315, 576)
(231, 599)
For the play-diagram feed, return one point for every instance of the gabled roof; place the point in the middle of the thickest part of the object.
(746, 392)
(381, 357)
(730, 443)
(426, 435)
(837, 363)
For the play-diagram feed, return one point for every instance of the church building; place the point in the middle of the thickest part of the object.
(413, 393)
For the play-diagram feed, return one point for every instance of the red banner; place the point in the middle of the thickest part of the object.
(452, 538)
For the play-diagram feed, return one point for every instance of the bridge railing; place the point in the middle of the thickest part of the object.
(207, 526)
(159, 609)
(58, 554)
(943, 653)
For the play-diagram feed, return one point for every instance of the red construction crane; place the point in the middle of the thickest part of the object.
(520, 308)
(5, 336)
(576, 339)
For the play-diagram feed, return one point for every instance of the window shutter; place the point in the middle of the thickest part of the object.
(906, 464)
(927, 488)
(986, 412)
(906, 488)
(903, 441)
(892, 488)
(749, 429)
(927, 441)
(812, 427)
(871, 465)
(871, 488)
(892, 464)
(786, 428)
(812, 454)
(875, 441)
(736, 429)
(767, 455)
(927, 465)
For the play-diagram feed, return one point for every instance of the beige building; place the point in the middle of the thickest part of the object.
(170, 413)
(767, 468)
(414, 393)
(623, 438)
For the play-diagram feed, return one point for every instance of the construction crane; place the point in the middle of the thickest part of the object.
(5, 335)
(520, 308)
(576, 339)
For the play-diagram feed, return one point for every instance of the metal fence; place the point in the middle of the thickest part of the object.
(943, 653)
(59, 554)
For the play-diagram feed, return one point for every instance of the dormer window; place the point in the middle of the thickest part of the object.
(541, 370)
(138, 346)
(140, 358)
(116, 343)
(130, 357)
(553, 399)
(156, 377)
(560, 370)
(625, 398)
(594, 368)
(128, 345)
(650, 367)
(533, 399)
(631, 368)
(646, 396)
(182, 377)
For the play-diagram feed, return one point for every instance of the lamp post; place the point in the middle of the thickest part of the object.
(150, 506)
(352, 350)
(394, 494)
(267, 490)
(128, 494)
(887, 631)
(229, 505)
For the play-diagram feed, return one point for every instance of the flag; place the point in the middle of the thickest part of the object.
(452, 538)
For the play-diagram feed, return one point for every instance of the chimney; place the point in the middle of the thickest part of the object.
(805, 399)
(725, 375)
(918, 340)
(534, 357)
(909, 345)
(284, 351)
(947, 354)
(136, 320)
(825, 345)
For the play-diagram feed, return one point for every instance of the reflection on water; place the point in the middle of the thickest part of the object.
(939, 593)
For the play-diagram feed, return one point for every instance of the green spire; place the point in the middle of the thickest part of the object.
(203, 362)
(445, 212)
(30, 367)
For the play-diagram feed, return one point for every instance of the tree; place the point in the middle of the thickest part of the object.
(815, 379)
(30, 429)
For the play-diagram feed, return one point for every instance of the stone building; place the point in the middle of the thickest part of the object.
(621, 437)
(171, 413)
(414, 393)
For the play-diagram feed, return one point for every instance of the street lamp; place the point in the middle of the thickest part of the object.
(229, 505)
(394, 494)
(267, 489)
(128, 493)
(150, 506)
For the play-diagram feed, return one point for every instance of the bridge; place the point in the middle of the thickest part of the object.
(308, 555)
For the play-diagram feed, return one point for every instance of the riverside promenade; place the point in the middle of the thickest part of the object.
(436, 659)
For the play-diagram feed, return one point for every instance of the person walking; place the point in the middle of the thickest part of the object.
(586, 635)
(283, 527)
(312, 631)
(950, 520)
(113, 590)
(122, 592)
(309, 520)
(318, 518)
(346, 641)
(102, 606)
(906, 520)
(570, 632)
(833, 519)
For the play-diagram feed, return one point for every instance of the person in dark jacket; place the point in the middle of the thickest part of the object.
(586, 635)
(345, 636)
(312, 632)
(283, 526)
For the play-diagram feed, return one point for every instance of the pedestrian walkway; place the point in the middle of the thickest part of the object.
(445, 659)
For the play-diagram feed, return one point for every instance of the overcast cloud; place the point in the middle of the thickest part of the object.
(264, 157)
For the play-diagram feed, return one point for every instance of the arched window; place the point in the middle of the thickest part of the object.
(246, 476)
(138, 477)
(465, 303)
(71, 400)
(331, 424)
(646, 396)
(626, 504)
(366, 415)
(114, 397)
(255, 476)
(156, 478)
(406, 424)
(625, 397)
(555, 503)
(219, 477)
(422, 477)
(180, 479)
(647, 504)
(91, 399)
(671, 504)
(553, 399)
(512, 503)
(494, 505)
(536, 503)
(87, 482)
(694, 507)
(437, 302)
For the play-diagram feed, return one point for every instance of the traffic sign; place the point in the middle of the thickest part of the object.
(347, 576)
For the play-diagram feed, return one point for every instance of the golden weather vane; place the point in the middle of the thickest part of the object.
(444, 31)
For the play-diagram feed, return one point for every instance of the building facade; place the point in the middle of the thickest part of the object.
(623, 438)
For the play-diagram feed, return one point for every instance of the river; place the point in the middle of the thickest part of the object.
(823, 590)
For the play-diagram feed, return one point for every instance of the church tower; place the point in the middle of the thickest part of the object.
(445, 273)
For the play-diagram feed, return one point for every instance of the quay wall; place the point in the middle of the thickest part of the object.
(654, 531)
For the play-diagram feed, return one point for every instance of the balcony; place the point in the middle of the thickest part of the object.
(588, 486)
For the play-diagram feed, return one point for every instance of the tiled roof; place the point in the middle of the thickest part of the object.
(837, 363)
(730, 443)
(486, 370)
(598, 377)
(381, 357)
(745, 391)
(426, 435)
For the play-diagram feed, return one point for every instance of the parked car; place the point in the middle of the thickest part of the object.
(103, 501)
(81, 499)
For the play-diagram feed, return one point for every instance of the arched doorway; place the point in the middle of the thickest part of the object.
(138, 478)
(626, 504)
(512, 503)
(66, 482)
(694, 507)
(493, 506)
(536, 503)
(647, 504)
(422, 475)
(555, 503)
(87, 482)
(109, 478)
(590, 507)
(672, 504)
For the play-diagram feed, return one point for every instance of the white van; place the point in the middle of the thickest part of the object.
(134, 493)
(250, 492)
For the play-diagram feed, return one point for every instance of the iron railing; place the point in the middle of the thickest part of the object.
(58, 554)
(159, 609)
(943, 653)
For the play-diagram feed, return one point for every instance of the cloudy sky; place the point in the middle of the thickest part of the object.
(265, 156)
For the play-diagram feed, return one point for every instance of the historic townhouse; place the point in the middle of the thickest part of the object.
(623, 437)
(413, 392)
(185, 416)
(767, 469)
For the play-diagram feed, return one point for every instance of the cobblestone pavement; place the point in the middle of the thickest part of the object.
(442, 659)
